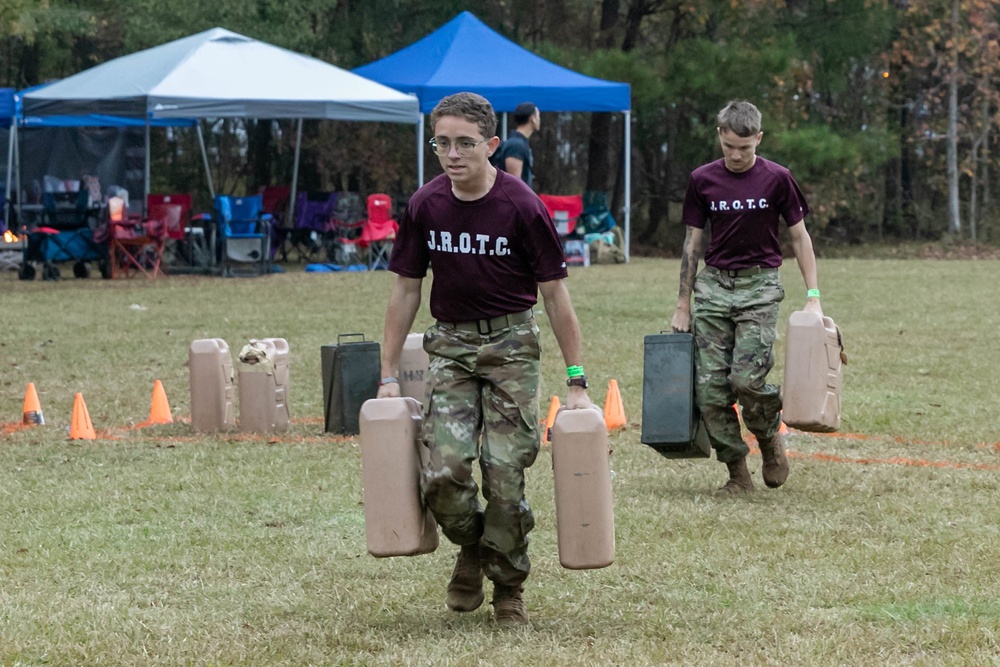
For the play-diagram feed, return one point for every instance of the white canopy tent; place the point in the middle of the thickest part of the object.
(221, 74)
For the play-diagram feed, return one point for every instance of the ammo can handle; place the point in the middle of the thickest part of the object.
(340, 336)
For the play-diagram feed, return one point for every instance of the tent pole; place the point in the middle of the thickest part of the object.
(504, 126)
(17, 177)
(204, 158)
(11, 136)
(628, 182)
(420, 151)
(145, 174)
(295, 175)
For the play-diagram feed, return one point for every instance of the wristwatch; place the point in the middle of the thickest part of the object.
(578, 381)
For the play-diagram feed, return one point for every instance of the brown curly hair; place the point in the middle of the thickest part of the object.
(470, 106)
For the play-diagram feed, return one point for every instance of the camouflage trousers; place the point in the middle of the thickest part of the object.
(735, 325)
(482, 402)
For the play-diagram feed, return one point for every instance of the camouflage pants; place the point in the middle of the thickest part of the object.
(735, 325)
(482, 403)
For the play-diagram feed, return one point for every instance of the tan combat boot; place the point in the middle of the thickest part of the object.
(739, 479)
(508, 605)
(465, 590)
(775, 468)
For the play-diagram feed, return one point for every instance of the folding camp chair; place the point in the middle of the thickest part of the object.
(186, 247)
(275, 199)
(343, 247)
(134, 245)
(166, 220)
(564, 210)
(244, 234)
(350, 209)
(313, 223)
(596, 217)
(68, 210)
(379, 231)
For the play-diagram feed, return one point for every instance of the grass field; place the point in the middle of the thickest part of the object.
(158, 547)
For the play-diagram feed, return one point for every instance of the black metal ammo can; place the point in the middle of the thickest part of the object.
(351, 372)
(670, 420)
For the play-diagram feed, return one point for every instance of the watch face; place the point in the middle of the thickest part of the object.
(578, 382)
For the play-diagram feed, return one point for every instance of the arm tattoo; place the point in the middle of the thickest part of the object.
(689, 266)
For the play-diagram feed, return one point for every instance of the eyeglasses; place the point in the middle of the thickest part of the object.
(464, 147)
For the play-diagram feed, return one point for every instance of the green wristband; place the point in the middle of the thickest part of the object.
(812, 293)
(574, 371)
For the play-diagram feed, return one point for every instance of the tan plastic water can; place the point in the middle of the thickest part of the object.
(397, 523)
(813, 373)
(585, 520)
(413, 363)
(263, 386)
(210, 368)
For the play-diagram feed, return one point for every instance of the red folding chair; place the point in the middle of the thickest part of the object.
(565, 211)
(134, 246)
(167, 222)
(186, 245)
(275, 200)
(379, 231)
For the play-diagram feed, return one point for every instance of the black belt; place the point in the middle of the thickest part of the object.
(498, 323)
(743, 273)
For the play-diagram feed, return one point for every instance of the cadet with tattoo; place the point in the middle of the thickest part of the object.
(742, 198)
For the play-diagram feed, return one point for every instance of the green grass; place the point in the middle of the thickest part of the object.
(159, 547)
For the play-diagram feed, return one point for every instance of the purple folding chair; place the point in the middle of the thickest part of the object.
(313, 223)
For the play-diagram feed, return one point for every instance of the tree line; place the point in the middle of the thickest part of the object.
(885, 110)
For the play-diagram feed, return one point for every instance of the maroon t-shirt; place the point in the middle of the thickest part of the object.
(744, 211)
(488, 255)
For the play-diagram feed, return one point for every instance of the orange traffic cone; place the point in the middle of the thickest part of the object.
(80, 427)
(159, 410)
(32, 408)
(614, 409)
(554, 406)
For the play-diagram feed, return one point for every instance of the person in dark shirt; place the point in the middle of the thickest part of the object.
(493, 247)
(515, 155)
(742, 197)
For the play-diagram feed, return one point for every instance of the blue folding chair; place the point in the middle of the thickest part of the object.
(244, 235)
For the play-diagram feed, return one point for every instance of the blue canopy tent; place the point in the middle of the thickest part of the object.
(467, 55)
(6, 106)
(12, 117)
